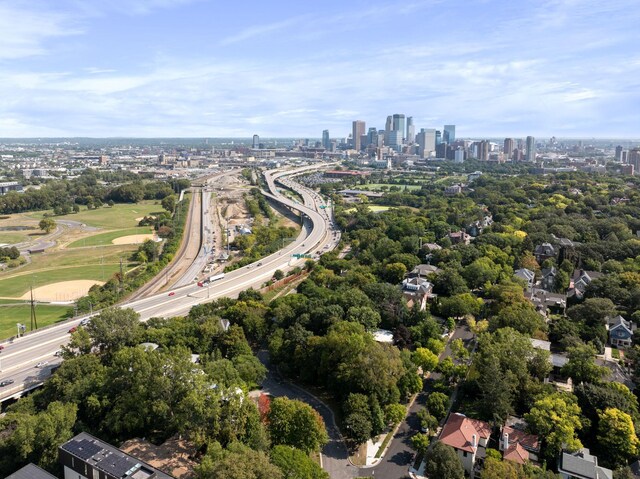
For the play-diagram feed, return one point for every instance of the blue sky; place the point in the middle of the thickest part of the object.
(210, 68)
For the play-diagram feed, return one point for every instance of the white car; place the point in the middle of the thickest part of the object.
(42, 364)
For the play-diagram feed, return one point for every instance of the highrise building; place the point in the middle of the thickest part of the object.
(633, 158)
(438, 137)
(400, 123)
(411, 131)
(388, 127)
(449, 134)
(509, 146)
(619, 153)
(483, 150)
(394, 139)
(459, 155)
(372, 137)
(531, 149)
(256, 142)
(426, 140)
(358, 130)
(326, 141)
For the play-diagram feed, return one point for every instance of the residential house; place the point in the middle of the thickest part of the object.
(477, 227)
(423, 270)
(544, 251)
(580, 280)
(459, 237)
(85, 456)
(548, 303)
(582, 465)
(557, 360)
(468, 437)
(31, 471)
(548, 280)
(516, 444)
(417, 290)
(453, 190)
(528, 276)
(620, 332)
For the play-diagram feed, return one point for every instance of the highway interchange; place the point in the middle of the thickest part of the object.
(20, 356)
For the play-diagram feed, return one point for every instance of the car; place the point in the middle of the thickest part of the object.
(73, 330)
(5, 382)
(42, 364)
(259, 264)
(1, 347)
(85, 321)
(172, 293)
(58, 353)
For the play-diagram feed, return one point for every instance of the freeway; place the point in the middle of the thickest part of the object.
(19, 358)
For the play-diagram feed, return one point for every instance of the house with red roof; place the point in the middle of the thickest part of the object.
(516, 444)
(468, 437)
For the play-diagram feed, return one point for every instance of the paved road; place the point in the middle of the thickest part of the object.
(19, 357)
(334, 454)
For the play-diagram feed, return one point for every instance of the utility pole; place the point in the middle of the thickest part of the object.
(34, 320)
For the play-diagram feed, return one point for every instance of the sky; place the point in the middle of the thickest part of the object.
(285, 68)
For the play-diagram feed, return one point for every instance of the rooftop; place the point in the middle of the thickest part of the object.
(31, 471)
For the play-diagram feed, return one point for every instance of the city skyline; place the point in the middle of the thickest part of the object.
(189, 68)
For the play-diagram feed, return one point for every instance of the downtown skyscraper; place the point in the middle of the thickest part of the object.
(357, 134)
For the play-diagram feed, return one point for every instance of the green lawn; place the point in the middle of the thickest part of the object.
(103, 239)
(45, 314)
(119, 217)
(12, 238)
(372, 208)
(379, 186)
(16, 286)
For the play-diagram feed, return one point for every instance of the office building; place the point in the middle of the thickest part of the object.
(459, 155)
(87, 457)
(411, 131)
(400, 124)
(388, 127)
(509, 146)
(394, 140)
(372, 137)
(449, 135)
(531, 149)
(426, 140)
(326, 141)
(256, 141)
(358, 130)
(483, 150)
(438, 137)
(619, 153)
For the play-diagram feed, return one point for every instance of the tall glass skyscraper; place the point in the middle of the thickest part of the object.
(400, 123)
(531, 149)
(411, 131)
(326, 142)
(449, 135)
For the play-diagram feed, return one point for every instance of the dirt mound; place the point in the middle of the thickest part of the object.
(134, 239)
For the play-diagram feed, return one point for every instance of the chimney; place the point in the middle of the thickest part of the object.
(505, 442)
(474, 441)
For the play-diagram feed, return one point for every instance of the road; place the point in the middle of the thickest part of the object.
(19, 357)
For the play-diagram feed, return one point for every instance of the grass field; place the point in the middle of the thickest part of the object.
(118, 217)
(16, 286)
(104, 239)
(45, 314)
(372, 208)
(12, 238)
(379, 186)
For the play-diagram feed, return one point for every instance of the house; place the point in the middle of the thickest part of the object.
(468, 437)
(85, 456)
(477, 227)
(548, 280)
(580, 280)
(453, 190)
(31, 471)
(417, 290)
(544, 251)
(582, 465)
(459, 237)
(516, 444)
(546, 302)
(620, 332)
(423, 270)
(528, 276)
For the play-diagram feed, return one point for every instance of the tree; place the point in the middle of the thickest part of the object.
(169, 203)
(425, 359)
(278, 275)
(556, 418)
(495, 468)
(394, 273)
(294, 423)
(438, 404)
(236, 462)
(76, 208)
(617, 437)
(295, 464)
(442, 461)
(394, 413)
(114, 328)
(460, 305)
(581, 366)
(47, 225)
(428, 423)
(364, 315)
(420, 442)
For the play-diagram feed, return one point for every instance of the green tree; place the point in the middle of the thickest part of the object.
(395, 272)
(47, 225)
(236, 462)
(617, 437)
(581, 366)
(425, 359)
(460, 305)
(438, 404)
(556, 418)
(296, 424)
(114, 328)
(420, 442)
(442, 461)
(364, 315)
(295, 464)
(394, 413)
(169, 203)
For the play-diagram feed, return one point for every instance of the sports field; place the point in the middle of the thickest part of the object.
(381, 186)
(109, 237)
(119, 216)
(21, 313)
